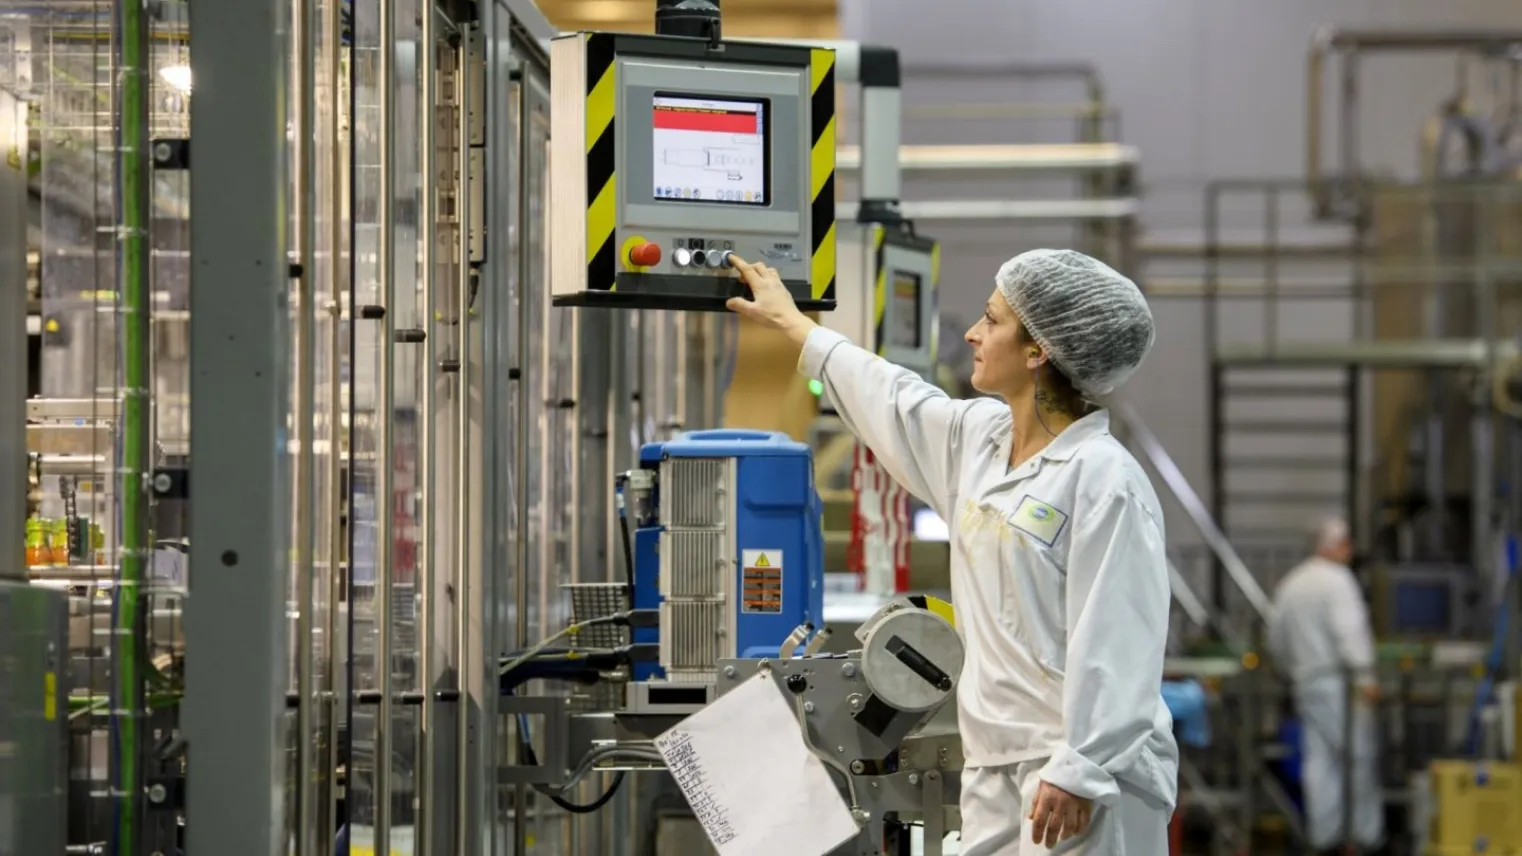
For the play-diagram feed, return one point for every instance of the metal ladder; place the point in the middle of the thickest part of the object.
(1283, 420)
(1269, 473)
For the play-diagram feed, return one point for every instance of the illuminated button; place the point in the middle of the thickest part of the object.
(645, 255)
(681, 257)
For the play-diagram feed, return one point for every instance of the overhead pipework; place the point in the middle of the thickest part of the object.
(1331, 192)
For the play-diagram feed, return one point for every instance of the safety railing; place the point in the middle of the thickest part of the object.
(1152, 451)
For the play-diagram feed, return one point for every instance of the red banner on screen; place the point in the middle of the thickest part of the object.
(723, 122)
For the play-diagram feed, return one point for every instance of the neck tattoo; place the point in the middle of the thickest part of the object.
(1048, 402)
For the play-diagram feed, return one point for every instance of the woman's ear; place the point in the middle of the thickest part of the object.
(1034, 357)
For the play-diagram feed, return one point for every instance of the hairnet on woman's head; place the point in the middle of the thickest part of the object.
(1092, 321)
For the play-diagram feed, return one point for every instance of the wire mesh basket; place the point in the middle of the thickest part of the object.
(597, 600)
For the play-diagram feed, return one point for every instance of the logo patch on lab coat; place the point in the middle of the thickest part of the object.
(1039, 520)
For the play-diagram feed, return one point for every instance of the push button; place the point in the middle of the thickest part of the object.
(645, 255)
(681, 257)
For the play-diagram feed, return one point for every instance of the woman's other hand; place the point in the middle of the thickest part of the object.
(770, 304)
(1057, 815)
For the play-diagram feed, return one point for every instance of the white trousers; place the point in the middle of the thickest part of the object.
(1325, 760)
(994, 823)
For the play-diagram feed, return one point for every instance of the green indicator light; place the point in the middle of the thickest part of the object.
(816, 387)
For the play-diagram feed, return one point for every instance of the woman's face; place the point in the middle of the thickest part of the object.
(1001, 363)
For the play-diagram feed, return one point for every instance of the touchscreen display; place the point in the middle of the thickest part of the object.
(904, 330)
(710, 150)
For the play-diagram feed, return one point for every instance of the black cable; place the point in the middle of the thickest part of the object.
(562, 802)
(623, 528)
(594, 805)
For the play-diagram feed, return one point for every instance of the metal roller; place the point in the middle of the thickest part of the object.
(911, 659)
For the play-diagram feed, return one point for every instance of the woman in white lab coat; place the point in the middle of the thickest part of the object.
(1058, 572)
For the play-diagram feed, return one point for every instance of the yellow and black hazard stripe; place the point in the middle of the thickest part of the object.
(879, 287)
(602, 193)
(822, 173)
(935, 605)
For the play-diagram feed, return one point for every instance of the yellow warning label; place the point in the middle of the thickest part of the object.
(49, 696)
(761, 581)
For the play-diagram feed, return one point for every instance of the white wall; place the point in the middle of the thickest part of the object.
(1206, 89)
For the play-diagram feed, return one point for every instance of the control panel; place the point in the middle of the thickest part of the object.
(674, 153)
(887, 296)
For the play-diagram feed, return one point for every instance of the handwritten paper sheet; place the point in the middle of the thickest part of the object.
(752, 781)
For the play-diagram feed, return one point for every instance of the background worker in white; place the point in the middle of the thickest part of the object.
(1058, 572)
(1319, 635)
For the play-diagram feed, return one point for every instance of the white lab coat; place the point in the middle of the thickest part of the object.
(1319, 635)
(1060, 584)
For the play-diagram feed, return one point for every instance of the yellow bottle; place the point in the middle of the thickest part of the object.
(35, 543)
(58, 543)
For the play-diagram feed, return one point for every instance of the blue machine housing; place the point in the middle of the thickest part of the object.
(777, 510)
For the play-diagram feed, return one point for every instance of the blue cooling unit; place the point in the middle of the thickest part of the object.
(728, 547)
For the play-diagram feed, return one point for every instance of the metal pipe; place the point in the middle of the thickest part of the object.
(1067, 157)
(1347, 118)
(332, 197)
(1010, 210)
(134, 273)
(1088, 74)
(386, 259)
(1386, 354)
(577, 440)
(682, 358)
(303, 413)
(463, 95)
(14, 460)
(1351, 43)
(427, 584)
(521, 452)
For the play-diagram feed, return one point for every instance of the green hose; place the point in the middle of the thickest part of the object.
(134, 200)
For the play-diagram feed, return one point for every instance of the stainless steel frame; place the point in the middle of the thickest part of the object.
(234, 709)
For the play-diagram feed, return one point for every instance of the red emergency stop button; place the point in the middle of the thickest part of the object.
(645, 255)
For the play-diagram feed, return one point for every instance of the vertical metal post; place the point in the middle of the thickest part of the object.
(427, 582)
(304, 143)
(683, 371)
(384, 500)
(303, 35)
(239, 391)
(463, 796)
(577, 439)
(1250, 764)
(1215, 405)
(526, 281)
(1482, 488)
(332, 28)
(1271, 270)
(1348, 125)
(13, 343)
(134, 210)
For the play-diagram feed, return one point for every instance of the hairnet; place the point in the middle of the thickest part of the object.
(1092, 322)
